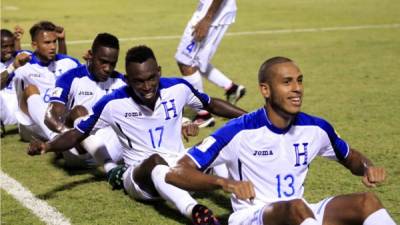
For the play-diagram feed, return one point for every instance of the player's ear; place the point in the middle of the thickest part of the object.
(159, 70)
(34, 45)
(265, 90)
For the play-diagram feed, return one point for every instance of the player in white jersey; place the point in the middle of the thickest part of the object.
(35, 80)
(83, 87)
(268, 153)
(198, 45)
(10, 43)
(146, 115)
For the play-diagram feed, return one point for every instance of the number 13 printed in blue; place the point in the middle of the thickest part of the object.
(156, 133)
(286, 184)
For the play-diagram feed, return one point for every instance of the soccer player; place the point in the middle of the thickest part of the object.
(199, 42)
(83, 87)
(10, 43)
(268, 153)
(146, 115)
(36, 79)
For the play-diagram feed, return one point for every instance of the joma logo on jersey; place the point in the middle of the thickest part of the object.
(263, 153)
(133, 114)
(34, 75)
(85, 93)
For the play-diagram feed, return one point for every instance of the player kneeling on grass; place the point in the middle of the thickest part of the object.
(147, 117)
(268, 153)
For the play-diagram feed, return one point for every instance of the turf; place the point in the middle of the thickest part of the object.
(351, 79)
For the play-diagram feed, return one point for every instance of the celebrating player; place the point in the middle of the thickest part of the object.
(36, 79)
(199, 42)
(268, 153)
(146, 115)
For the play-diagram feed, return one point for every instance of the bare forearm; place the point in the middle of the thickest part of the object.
(213, 9)
(224, 109)
(4, 78)
(65, 141)
(357, 163)
(192, 180)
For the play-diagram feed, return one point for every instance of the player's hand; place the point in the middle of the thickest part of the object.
(21, 59)
(243, 190)
(373, 176)
(18, 32)
(189, 129)
(200, 30)
(60, 33)
(36, 147)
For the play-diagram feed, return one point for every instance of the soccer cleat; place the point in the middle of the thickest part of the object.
(205, 120)
(201, 215)
(234, 93)
(115, 177)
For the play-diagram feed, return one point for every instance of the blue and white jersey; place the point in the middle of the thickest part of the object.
(141, 130)
(79, 87)
(3, 66)
(225, 15)
(43, 76)
(276, 161)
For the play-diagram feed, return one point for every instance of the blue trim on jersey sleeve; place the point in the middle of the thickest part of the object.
(222, 136)
(171, 81)
(340, 147)
(86, 125)
(65, 82)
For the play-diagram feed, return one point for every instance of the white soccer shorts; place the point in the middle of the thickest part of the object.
(254, 215)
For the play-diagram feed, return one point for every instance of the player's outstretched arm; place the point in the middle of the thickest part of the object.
(223, 108)
(186, 176)
(18, 34)
(360, 165)
(60, 143)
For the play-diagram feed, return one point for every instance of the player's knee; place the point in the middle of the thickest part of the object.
(156, 159)
(31, 90)
(298, 211)
(77, 112)
(186, 70)
(369, 203)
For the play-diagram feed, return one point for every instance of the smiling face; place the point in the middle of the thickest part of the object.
(102, 62)
(7, 48)
(284, 90)
(144, 78)
(45, 45)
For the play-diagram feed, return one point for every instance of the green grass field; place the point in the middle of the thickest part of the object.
(351, 79)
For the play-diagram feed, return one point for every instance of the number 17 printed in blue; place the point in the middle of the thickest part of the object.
(156, 133)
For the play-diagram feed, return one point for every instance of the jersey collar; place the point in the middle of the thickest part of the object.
(271, 126)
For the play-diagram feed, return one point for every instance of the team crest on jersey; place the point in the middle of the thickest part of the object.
(57, 91)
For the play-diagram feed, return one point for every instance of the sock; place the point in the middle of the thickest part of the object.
(381, 216)
(309, 221)
(37, 110)
(217, 77)
(195, 80)
(180, 198)
(96, 148)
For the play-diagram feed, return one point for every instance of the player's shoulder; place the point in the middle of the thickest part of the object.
(167, 82)
(117, 75)
(304, 119)
(74, 73)
(63, 57)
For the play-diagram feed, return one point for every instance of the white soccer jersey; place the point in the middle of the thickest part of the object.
(43, 76)
(225, 15)
(141, 130)
(276, 161)
(79, 87)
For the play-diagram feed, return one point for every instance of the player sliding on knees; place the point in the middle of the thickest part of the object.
(147, 117)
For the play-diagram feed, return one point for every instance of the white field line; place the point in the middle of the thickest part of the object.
(248, 33)
(40, 208)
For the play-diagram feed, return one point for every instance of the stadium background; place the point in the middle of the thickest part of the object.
(348, 50)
